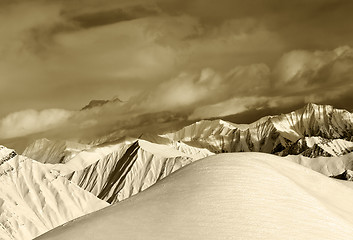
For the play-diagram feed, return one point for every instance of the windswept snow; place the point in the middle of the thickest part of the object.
(227, 196)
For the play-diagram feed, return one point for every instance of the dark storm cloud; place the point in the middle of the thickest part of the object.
(315, 24)
(312, 24)
(196, 57)
(87, 20)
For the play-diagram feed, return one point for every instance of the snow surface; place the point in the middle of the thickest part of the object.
(237, 196)
(329, 166)
(50, 151)
(226, 196)
(34, 199)
(132, 168)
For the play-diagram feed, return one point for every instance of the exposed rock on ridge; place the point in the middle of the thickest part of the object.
(275, 134)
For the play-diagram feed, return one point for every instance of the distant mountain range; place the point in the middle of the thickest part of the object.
(110, 170)
(314, 130)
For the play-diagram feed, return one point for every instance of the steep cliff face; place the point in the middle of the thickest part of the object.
(34, 199)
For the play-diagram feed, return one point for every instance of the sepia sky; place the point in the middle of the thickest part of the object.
(203, 58)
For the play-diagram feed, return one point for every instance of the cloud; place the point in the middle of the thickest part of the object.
(229, 107)
(183, 56)
(207, 86)
(25, 29)
(111, 16)
(315, 70)
(298, 77)
(107, 49)
(31, 121)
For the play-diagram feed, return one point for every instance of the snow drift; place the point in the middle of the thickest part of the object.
(227, 196)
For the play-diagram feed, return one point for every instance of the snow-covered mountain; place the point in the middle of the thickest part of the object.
(35, 199)
(109, 171)
(227, 196)
(311, 130)
(318, 146)
(314, 130)
(50, 151)
(128, 168)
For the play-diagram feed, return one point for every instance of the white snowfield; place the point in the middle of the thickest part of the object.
(226, 196)
(34, 199)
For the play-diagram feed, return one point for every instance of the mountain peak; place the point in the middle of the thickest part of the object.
(98, 103)
(6, 154)
(313, 107)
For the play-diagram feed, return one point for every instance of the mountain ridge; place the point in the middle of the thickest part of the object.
(315, 136)
(271, 134)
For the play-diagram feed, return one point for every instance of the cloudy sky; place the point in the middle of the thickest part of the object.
(200, 58)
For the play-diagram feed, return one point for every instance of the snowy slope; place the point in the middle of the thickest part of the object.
(329, 166)
(133, 168)
(227, 196)
(34, 200)
(36, 197)
(50, 151)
